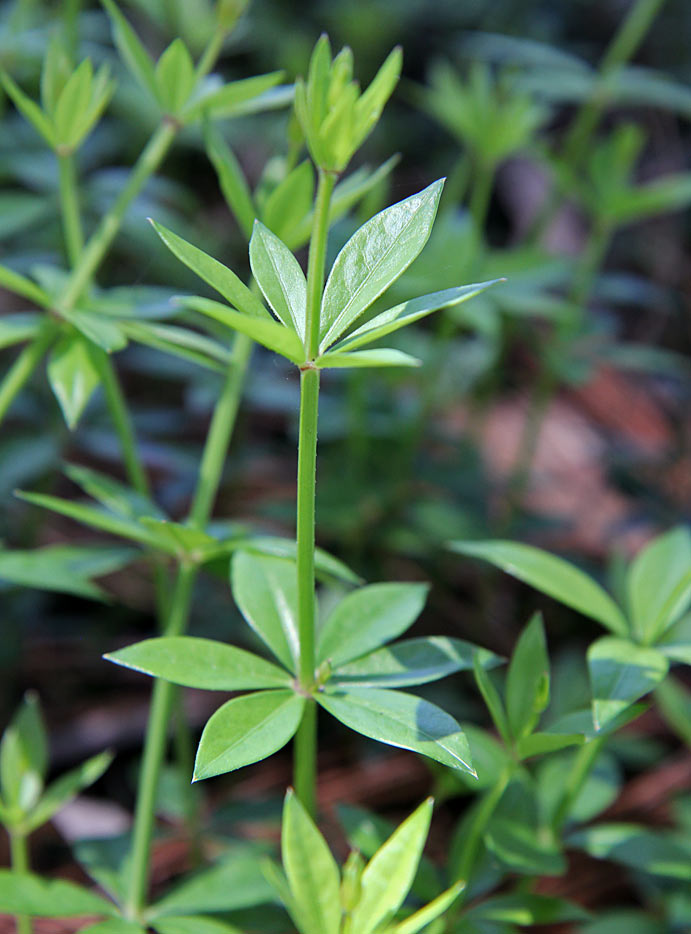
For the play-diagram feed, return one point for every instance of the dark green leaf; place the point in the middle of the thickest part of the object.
(527, 680)
(522, 849)
(290, 203)
(642, 849)
(525, 909)
(63, 568)
(492, 699)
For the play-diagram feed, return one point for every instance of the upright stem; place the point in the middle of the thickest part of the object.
(481, 190)
(584, 762)
(19, 853)
(154, 748)
(69, 203)
(306, 740)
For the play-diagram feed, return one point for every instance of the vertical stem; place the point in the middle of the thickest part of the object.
(480, 193)
(154, 748)
(69, 203)
(25, 364)
(585, 760)
(317, 259)
(479, 821)
(19, 852)
(70, 22)
(305, 777)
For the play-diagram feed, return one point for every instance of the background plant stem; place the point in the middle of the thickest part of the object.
(19, 854)
(582, 767)
(69, 203)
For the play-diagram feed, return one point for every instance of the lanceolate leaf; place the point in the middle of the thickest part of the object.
(290, 203)
(231, 179)
(373, 258)
(214, 273)
(247, 729)
(416, 922)
(73, 377)
(637, 847)
(200, 663)
(620, 673)
(658, 583)
(230, 98)
(553, 576)
(132, 51)
(388, 876)
(401, 720)
(66, 787)
(27, 894)
(194, 924)
(413, 661)
(402, 315)
(265, 590)
(367, 618)
(63, 568)
(527, 680)
(20, 285)
(311, 871)
(280, 278)
(270, 333)
(383, 356)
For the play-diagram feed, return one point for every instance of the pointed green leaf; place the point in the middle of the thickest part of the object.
(175, 78)
(247, 729)
(401, 720)
(180, 342)
(659, 583)
(264, 331)
(522, 848)
(200, 663)
(402, 315)
(382, 356)
(231, 98)
(388, 876)
(217, 275)
(526, 908)
(131, 49)
(99, 329)
(194, 924)
(265, 590)
(73, 376)
(416, 922)
(115, 496)
(235, 189)
(63, 568)
(290, 203)
(20, 285)
(27, 894)
(28, 109)
(620, 673)
(551, 575)
(17, 328)
(325, 564)
(114, 926)
(311, 871)
(63, 789)
(367, 618)
(236, 881)
(96, 518)
(537, 744)
(491, 697)
(280, 278)
(527, 680)
(374, 257)
(24, 756)
(413, 661)
(638, 847)
(72, 104)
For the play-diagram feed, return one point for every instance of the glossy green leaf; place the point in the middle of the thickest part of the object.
(28, 108)
(265, 590)
(374, 257)
(381, 356)
(527, 908)
(73, 376)
(175, 77)
(367, 618)
(280, 278)
(537, 744)
(659, 583)
(492, 699)
(264, 331)
(200, 663)
(413, 661)
(131, 49)
(235, 189)
(551, 575)
(17, 328)
(402, 315)
(99, 329)
(217, 275)
(27, 894)
(96, 518)
(20, 285)
(401, 720)
(234, 882)
(229, 99)
(522, 849)
(247, 729)
(194, 924)
(311, 871)
(64, 789)
(290, 203)
(63, 568)
(620, 673)
(527, 680)
(388, 876)
(24, 756)
(424, 916)
(642, 849)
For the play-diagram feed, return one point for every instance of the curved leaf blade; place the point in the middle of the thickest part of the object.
(280, 278)
(620, 673)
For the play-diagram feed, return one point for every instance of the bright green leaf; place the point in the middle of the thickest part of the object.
(17, 328)
(175, 78)
(63, 789)
(620, 673)
(27, 894)
(229, 99)
(29, 110)
(381, 356)
(659, 583)
(280, 278)
(492, 699)
(20, 285)
(527, 680)
(194, 924)
(63, 568)
(131, 49)
(24, 756)
(73, 376)
(424, 916)
(231, 179)
(290, 203)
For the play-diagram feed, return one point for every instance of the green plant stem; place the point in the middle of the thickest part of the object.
(317, 260)
(210, 54)
(479, 822)
(220, 430)
(19, 854)
(25, 364)
(305, 777)
(480, 193)
(213, 457)
(69, 203)
(70, 24)
(585, 760)
(154, 749)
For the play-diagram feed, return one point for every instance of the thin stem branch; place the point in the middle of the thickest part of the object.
(69, 205)
(19, 854)
(480, 194)
(582, 767)
(317, 260)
